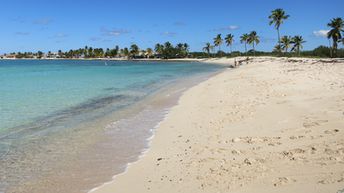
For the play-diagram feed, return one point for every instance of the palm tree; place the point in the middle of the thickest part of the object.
(186, 49)
(107, 52)
(149, 52)
(168, 45)
(253, 39)
(208, 47)
(90, 52)
(286, 42)
(59, 53)
(277, 17)
(218, 41)
(180, 46)
(85, 51)
(40, 54)
(277, 48)
(297, 41)
(168, 50)
(126, 52)
(244, 39)
(182, 49)
(159, 49)
(115, 51)
(134, 50)
(229, 41)
(337, 25)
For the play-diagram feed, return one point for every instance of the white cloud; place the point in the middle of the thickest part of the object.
(226, 28)
(167, 33)
(232, 27)
(321, 33)
(114, 32)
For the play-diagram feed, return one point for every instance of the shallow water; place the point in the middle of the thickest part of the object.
(79, 122)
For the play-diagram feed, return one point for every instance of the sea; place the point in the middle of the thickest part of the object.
(72, 125)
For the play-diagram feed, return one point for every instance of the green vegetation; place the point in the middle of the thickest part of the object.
(285, 43)
(149, 52)
(297, 41)
(253, 39)
(244, 39)
(218, 41)
(336, 26)
(134, 51)
(229, 40)
(167, 50)
(208, 48)
(277, 17)
(319, 52)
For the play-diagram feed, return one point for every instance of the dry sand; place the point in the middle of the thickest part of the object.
(272, 125)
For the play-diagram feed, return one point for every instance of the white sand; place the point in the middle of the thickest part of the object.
(273, 125)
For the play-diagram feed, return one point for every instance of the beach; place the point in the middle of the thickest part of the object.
(270, 125)
(172, 97)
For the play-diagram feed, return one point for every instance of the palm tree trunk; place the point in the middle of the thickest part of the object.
(335, 45)
(329, 42)
(254, 50)
(298, 51)
(278, 36)
(220, 54)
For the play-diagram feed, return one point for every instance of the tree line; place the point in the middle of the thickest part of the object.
(165, 51)
(285, 44)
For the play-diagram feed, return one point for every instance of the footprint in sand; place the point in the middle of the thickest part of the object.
(283, 180)
(296, 137)
(333, 131)
(310, 124)
(294, 154)
(329, 181)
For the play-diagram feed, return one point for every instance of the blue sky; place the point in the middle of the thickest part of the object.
(33, 25)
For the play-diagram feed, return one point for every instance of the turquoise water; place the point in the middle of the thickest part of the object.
(32, 89)
(59, 118)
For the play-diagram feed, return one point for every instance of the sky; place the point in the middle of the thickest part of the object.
(44, 25)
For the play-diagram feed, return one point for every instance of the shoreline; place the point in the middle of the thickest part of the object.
(115, 59)
(190, 83)
(161, 152)
(205, 60)
(151, 107)
(219, 61)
